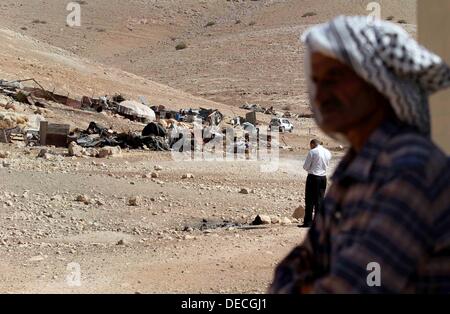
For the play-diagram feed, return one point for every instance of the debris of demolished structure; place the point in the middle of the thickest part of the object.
(98, 136)
(39, 97)
(164, 130)
(271, 111)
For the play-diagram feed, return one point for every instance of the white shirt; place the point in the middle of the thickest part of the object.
(317, 161)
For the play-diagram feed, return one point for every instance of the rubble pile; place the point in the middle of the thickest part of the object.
(271, 111)
(99, 136)
(163, 128)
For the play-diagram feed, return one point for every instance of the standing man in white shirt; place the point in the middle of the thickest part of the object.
(316, 164)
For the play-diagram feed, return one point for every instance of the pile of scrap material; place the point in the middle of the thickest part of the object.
(39, 96)
(14, 126)
(305, 114)
(117, 104)
(271, 111)
(172, 123)
(258, 108)
(203, 115)
(34, 96)
(98, 136)
(253, 107)
(211, 116)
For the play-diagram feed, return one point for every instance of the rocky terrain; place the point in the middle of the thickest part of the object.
(133, 224)
(140, 221)
(237, 51)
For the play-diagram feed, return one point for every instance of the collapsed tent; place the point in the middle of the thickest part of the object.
(97, 136)
(155, 129)
(136, 110)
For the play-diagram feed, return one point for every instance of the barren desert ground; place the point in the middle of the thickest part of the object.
(142, 222)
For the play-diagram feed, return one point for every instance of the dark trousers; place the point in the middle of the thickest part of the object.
(315, 191)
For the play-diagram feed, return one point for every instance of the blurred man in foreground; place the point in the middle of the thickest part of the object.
(388, 209)
(316, 164)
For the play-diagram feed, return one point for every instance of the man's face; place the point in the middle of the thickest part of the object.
(343, 99)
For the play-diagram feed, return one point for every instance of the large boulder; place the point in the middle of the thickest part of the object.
(299, 213)
(75, 149)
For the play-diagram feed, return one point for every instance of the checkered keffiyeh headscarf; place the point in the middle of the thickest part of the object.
(384, 55)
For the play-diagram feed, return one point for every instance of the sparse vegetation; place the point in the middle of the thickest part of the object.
(211, 23)
(308, 14)
(181, 46)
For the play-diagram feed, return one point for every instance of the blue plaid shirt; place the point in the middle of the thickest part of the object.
(388, 204)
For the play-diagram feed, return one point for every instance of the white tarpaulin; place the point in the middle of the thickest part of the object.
(133, 108)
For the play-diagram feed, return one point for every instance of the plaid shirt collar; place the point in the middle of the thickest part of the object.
(359, 166)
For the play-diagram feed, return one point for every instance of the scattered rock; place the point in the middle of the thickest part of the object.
(56, 198)
(5, 154)
(121, 242)
(285, 221)
(83, 199)
(45, 154)
(158, 168)
(10, 106)
(90, 152)
(275, 220)
(109, 151)
(187, 176)
(244, 191)
(154, 175)
(75, 150)
(134, 201)
(299, 212)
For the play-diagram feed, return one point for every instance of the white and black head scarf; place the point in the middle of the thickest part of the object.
(387, 57)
